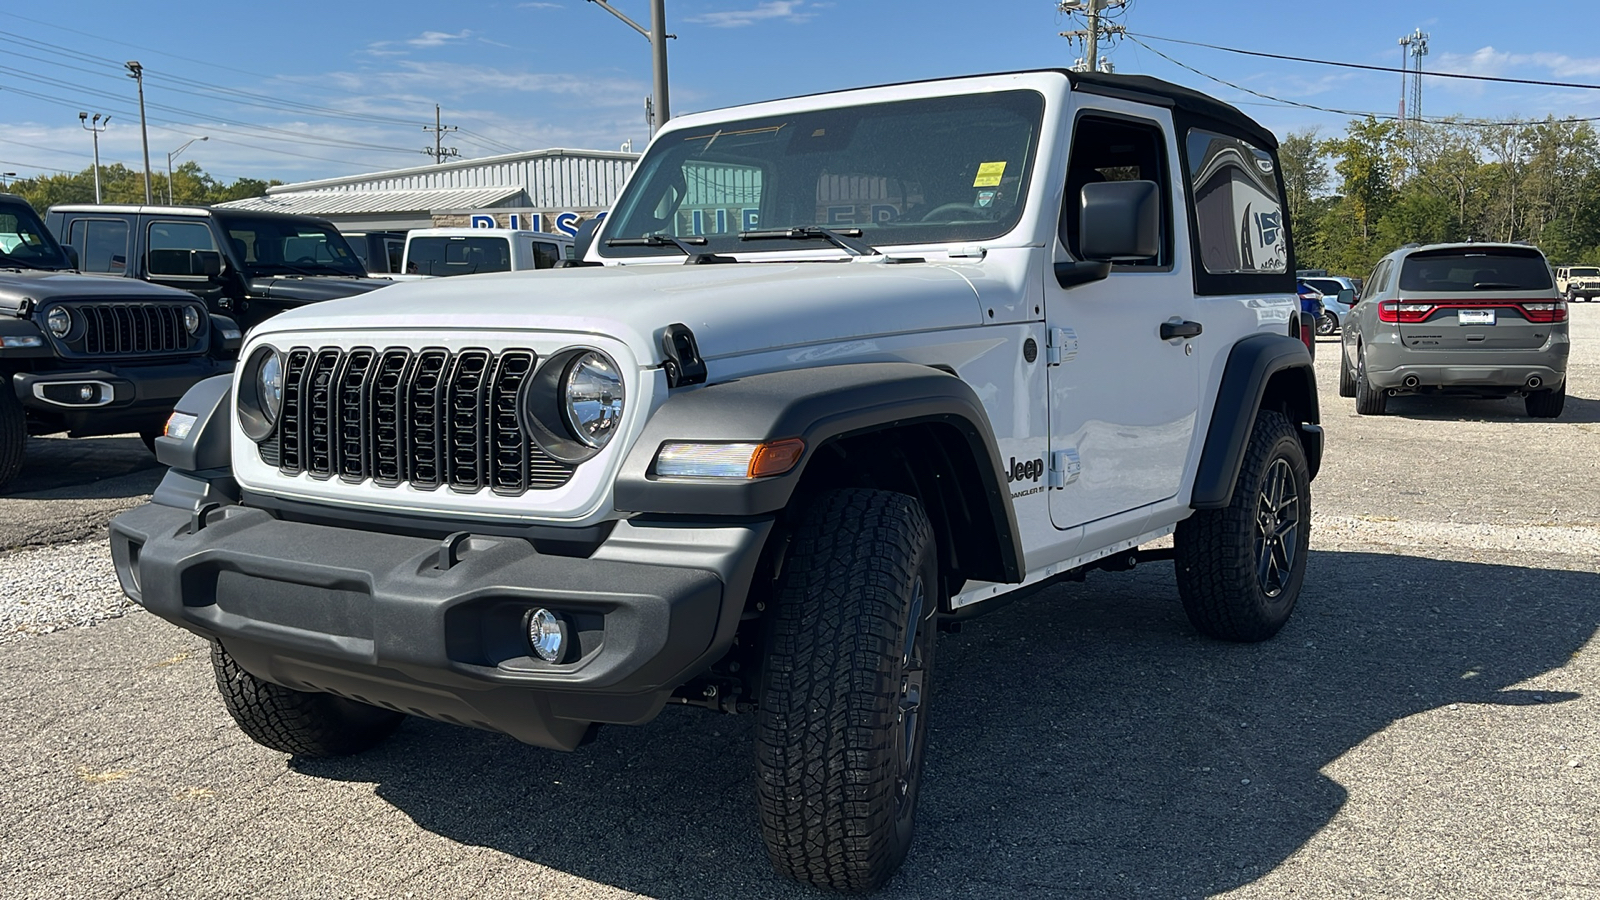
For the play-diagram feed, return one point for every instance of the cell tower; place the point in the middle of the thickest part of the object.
(1413, 47)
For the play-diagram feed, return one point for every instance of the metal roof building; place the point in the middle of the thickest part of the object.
(542, 183)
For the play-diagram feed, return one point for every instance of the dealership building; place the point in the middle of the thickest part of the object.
(540, 190)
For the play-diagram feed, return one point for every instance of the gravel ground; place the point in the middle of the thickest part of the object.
(46, 589)
(1424, 726)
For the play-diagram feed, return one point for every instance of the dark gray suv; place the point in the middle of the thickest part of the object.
(1483, 320)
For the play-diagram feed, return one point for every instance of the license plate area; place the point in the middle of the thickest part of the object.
(1475, 316)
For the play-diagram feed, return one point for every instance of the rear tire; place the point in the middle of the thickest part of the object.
(1327, 325)
(298, 722)
(1370, 401)
(844, 691)
(13, 433)
(1240, 568)
(1347, 378)
(1546, 404)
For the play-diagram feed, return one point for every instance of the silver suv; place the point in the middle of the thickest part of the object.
(1477, 319)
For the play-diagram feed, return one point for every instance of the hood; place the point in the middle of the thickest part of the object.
(733, 309)
(39, 287)
(312, 289)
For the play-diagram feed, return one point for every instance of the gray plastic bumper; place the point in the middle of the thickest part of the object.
(390, 621)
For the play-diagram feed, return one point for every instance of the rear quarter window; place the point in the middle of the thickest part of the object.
(1458, 270)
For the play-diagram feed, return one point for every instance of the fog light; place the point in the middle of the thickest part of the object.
(547, 635)
(86, 392)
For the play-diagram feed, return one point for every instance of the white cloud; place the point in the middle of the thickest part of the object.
(437, 38)
(784, 10)
(538, 6)
(1489, 61)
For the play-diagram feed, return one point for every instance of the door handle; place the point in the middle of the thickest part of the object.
(1182, 329)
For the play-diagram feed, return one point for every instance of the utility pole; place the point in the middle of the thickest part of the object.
(439, 151)
(658, 110)
(174, 155)
(94, 127)
(136, 72)
(1091, 35)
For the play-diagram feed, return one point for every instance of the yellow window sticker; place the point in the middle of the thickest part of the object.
(989, 174)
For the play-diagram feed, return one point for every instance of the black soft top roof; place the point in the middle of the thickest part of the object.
(1186, 99)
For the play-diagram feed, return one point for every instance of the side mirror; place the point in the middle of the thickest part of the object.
(72, 256)
(1120, 220)
(584, 239)
(1346, 297)
(207, 263)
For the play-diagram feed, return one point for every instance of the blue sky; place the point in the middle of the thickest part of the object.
(296, 90)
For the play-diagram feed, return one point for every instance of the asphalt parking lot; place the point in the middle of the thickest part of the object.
(1426, 726)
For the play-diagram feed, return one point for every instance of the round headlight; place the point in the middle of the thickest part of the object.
(260, 393)
(59, 321)
(592, 395)
(269, 385)
(191, 319)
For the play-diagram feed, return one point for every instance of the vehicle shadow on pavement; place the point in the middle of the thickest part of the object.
(1578, 410)
(1086, 742)
(61, 468)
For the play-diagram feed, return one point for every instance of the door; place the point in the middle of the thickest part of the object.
(182, 253)
(1123, 398)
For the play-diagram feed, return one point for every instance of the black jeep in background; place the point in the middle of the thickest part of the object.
(247, 265)
(91, 356)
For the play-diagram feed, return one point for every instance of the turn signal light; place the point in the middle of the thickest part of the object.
(734, 460)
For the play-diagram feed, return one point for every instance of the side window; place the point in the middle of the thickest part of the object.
(181, 250)
(1106, 149)
(1375, 280)
(102, 245)
(396, 251)
(545, 254)
(1238, 214)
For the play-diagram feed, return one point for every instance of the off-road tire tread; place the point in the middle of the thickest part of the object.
(298, 722)
(13, 433)
(1213, 550)
(824, 762)
(1546, 404)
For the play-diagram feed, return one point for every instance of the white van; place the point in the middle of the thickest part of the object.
(472, 251)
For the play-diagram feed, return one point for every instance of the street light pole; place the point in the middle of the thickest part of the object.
(95, 126)
(174, 155)
(660, 108)
(136, 72)
(3, 177)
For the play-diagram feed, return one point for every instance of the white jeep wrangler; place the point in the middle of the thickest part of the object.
(837, 371)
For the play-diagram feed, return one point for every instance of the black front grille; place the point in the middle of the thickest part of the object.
(132, 329)
(430, 418)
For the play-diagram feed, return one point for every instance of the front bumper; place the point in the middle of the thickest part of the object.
(373, 617)
(112, 399)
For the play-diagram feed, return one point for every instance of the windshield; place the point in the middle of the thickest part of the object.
(457, 255)
(24, 241)
(271, 246)
(938, 170)
(1582, 273)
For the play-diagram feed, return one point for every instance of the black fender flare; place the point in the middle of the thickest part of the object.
(816, 405)
(1253, 366)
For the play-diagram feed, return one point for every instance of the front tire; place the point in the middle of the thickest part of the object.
(1370, 401)
(1240, 568)
(844, 691)
(298, 722)
(13, 433)
(1546, 404)
(1347, 378)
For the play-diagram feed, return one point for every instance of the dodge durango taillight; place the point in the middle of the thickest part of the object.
(1401, 311)
(1545, 313)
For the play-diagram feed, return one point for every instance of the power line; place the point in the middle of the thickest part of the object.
(1339, 112)
(12, 162)
(1346, 65)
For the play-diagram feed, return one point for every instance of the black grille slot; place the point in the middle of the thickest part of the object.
(131, 329)
(430, 418)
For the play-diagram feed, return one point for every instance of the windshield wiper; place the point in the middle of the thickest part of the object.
(843, 238)
(1494, 286)
(692, 256)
